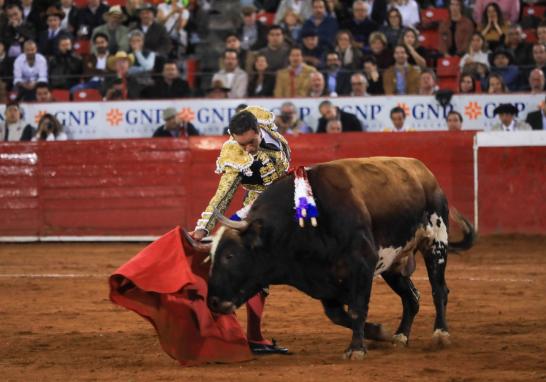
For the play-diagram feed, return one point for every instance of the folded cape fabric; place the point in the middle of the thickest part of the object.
(166, 284)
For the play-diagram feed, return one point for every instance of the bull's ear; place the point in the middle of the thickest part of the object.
(255, 235)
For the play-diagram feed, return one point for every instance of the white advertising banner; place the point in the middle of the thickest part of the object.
(138, 119)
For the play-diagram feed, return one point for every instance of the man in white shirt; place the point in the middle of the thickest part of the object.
(507, 113)
(398, 118)
(232, 76)
(29, 68)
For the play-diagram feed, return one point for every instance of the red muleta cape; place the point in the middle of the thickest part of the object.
(166, 283)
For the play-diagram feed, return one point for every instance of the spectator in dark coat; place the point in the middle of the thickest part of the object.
(65, 68)
(337, 80)
(536, 118)
(48, 40)
(174, 127)
(91, 17)
(375, 80)
(261, 82)
(361, 25)
(325, 25)
(312, 52)
(252, 33)
(71, 15)
(17, 31)
(276, 50)
(156, 37)
(515, 44)
(170, 85)
(328, 111)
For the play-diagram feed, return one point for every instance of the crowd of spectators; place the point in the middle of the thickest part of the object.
(307, 48)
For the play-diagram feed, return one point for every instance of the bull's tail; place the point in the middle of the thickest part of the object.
(468, 232)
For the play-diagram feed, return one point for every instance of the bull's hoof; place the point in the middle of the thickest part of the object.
(440, 338)
(400, 340)
(354, 354)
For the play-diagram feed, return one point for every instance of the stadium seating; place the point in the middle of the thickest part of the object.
(60, 95)
(448, 66)
(431, 15)
(82, 47)
(429, 39)
(534, 10)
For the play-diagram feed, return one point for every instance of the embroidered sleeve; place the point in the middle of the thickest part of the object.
(229, 182)
(250, 197)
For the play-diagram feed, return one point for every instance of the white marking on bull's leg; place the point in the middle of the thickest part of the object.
(441, 338)
(400, 339)
(436, 229)
(386, 258)
(354, 355)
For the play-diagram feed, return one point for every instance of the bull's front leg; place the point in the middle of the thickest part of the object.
(363, 266)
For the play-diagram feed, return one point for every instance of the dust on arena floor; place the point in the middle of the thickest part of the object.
(58, 324)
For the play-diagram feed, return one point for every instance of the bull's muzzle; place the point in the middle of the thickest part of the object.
(219, 306)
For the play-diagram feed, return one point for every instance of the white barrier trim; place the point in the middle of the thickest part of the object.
(511, 138)
(31, 239)
(475, 165)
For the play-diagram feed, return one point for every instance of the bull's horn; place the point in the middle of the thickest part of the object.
(238, 225)
(198, 246)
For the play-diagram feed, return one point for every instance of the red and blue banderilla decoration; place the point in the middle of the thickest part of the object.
(304, 201)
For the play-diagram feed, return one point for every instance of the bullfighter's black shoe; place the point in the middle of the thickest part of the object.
(265, 349)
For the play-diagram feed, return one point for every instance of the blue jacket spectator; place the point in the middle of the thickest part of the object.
(325, 25)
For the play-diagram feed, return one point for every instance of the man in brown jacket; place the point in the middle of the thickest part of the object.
(401, 78)
(294, 81)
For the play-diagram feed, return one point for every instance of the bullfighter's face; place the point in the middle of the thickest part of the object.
(249, 141)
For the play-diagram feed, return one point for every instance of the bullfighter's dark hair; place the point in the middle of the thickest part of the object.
(398, 109)
(243, 122)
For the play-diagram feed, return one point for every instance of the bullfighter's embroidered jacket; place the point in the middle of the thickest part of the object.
(253, 172)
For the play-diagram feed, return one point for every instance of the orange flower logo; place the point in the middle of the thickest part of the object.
(186, 114)
(404, 107)
(114, 117)
(39, 116)
(472, 110)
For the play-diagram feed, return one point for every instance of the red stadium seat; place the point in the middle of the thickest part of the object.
(60, 95)
(449, 83)
(448, 66)
(80, 3)
(431, 15)
(87, 95)
(534, 10)
(82, 47)
(117, 2)
(267, 18)
(530, 36)
(429, 39)
(191, 70)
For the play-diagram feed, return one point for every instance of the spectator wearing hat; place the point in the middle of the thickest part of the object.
(337, 79)
(294, 81)
(95, 65)
(401, 78)
(122, 86)
(536, 81)
(501, 62)
(252, 33)
(48, 40)
(361, 25)
(156, 37)
(169, 85)
(174, 126)
(90, 17)
(325, 25)
(310, 48)
(17, 31)
(455, 32)
(115, 30)
(232, 76)
(514, 43)
(130, 9)
(262, 81)
(507, 113)
(537, 119)
(29, 69)
(14, 128)
(276, 50)
(218, 90)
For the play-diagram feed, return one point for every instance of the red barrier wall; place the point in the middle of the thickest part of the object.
(147, 186)
(512, 190)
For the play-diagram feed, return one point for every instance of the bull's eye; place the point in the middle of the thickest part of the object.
(228, 256)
